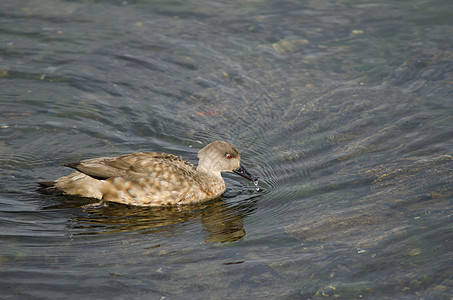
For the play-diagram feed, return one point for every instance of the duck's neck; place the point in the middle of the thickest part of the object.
(213, 183)
(209, 173)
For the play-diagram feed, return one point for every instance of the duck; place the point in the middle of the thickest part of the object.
(152, 178)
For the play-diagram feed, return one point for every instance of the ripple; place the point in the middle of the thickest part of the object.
(349, 130)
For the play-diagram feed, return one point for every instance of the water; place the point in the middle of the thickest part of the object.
(342, 108)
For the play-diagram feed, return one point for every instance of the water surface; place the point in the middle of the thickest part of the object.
(344, 109)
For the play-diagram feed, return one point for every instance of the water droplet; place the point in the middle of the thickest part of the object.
(255, 182)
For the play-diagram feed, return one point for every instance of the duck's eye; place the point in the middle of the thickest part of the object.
(229, 156)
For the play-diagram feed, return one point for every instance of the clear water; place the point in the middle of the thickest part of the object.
(344, 109)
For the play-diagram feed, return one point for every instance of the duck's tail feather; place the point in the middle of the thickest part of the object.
(46, 184)
(48, 187)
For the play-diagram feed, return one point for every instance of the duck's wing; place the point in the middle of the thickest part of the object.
(101, 168)
(130, 165)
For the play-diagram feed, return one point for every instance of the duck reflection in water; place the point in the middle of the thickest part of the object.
(221, 221)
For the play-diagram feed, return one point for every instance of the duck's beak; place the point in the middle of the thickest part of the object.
(244, 173)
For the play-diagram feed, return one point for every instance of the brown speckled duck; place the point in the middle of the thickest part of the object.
(152, 179)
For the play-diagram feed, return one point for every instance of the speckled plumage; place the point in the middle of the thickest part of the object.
(152, 179)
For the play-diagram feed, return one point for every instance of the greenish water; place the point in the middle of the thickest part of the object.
(344, 109)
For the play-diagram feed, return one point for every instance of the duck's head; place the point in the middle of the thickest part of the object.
(220, 156)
